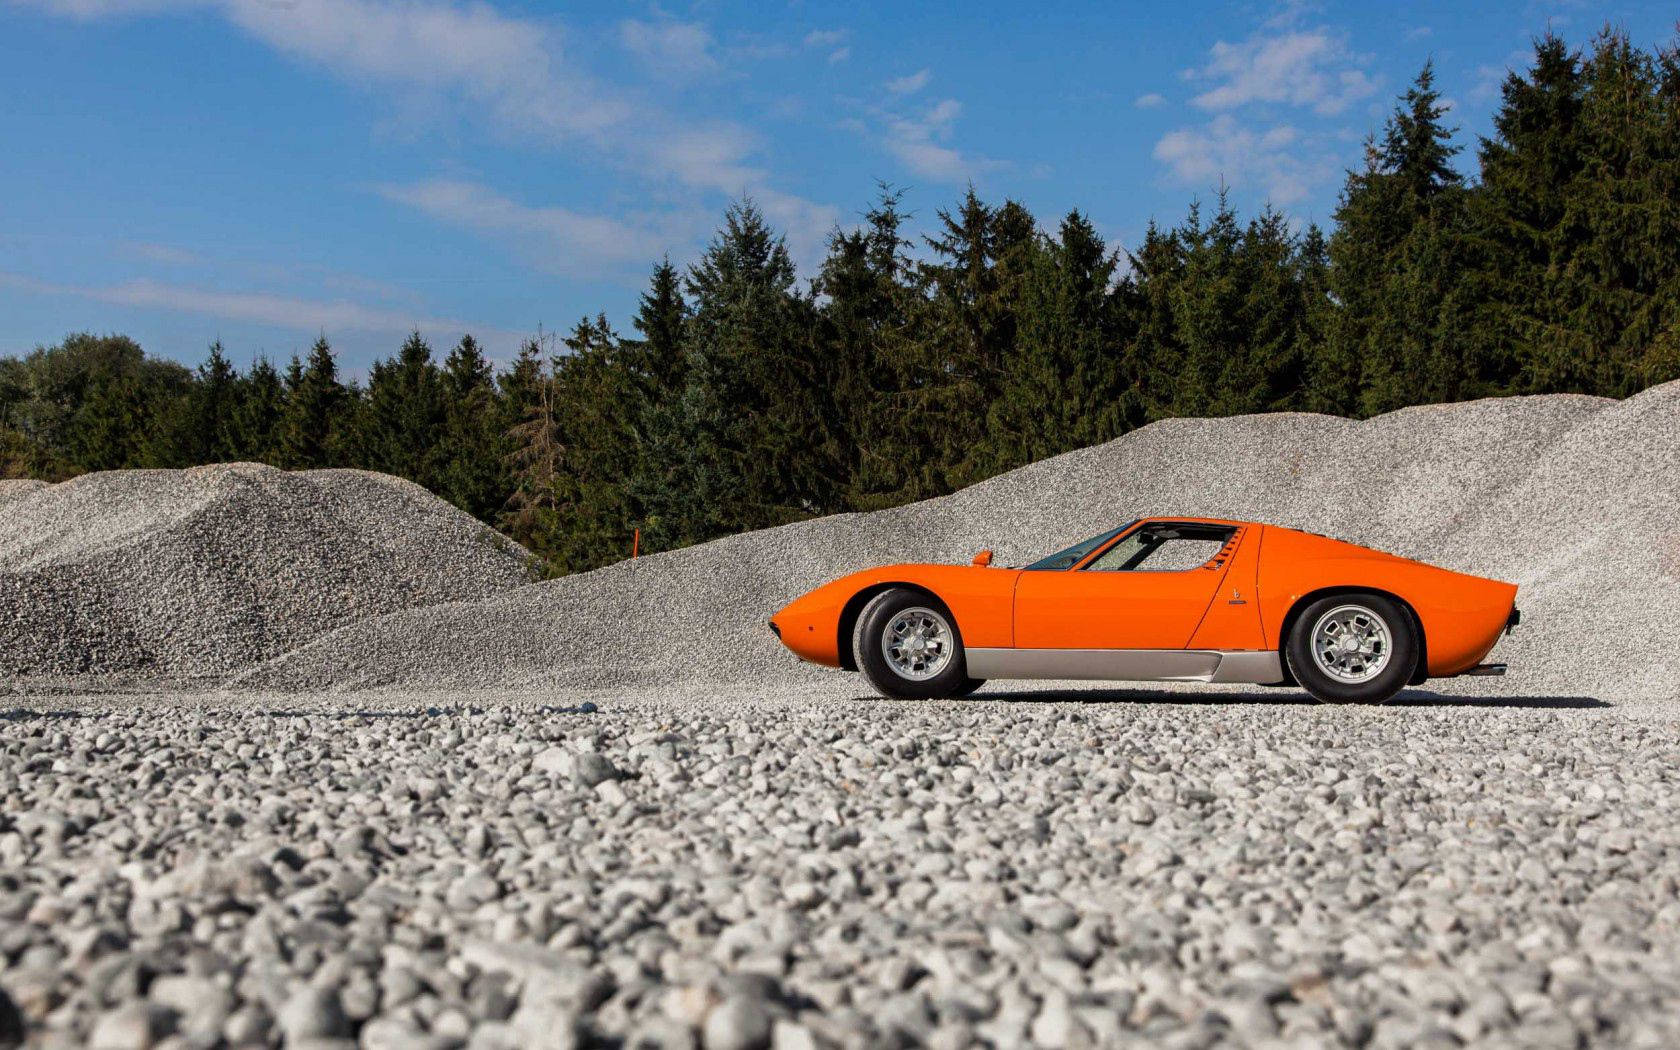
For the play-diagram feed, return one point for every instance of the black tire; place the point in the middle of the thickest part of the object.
(888, 610)
(969, 686)
(1401, 649)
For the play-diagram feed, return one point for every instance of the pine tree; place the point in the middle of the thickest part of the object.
(595, 408)
(658, 496)
(868, 332)
(1396, 256)
(1265, 374)
(535, 451)
(969, 336)
(1064, 383)
(1157, 352)
(1318, 314)
(260, 401)
(1614, 298)
(199, 428)
(1517, 213)
(312, 426)
(403, 418)
(751, 400)
(109, 432)
(472, 471)
(1207, 311)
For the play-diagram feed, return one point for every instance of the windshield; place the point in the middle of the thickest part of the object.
(1067, 559)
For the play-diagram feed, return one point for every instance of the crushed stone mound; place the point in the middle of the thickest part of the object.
(1569, 496)
(183, 574)
(13, 489)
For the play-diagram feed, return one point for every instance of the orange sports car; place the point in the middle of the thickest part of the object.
(1165, 600)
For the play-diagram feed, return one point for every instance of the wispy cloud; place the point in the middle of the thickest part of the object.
(1224, 151)
(1286, 64)
(669, 48)
(1153, 100)
(513, 70)
(910, 84)
(1307, 68)
(921, 141)
(833, 40)
(555, 239)
(163, 254)
(280, 311)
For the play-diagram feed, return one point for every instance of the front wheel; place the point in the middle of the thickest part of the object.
(1352, 649)
(907, 645)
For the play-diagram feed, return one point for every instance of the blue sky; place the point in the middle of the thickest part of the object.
(262, 171)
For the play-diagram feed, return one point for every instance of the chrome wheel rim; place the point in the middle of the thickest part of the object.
(917, 643)
(1351, 643)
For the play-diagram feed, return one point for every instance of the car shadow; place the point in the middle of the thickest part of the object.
(1282, 697)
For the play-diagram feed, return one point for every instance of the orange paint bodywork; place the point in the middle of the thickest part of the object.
(1238, 601)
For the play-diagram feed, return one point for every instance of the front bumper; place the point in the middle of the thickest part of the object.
(1484, 670)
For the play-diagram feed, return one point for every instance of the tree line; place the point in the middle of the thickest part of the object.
(744, 399)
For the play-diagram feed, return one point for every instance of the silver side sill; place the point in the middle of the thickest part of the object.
(1129, 665)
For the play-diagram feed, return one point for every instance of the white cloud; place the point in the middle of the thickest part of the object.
(920, 143)
(1152, 100)
(806, 225)
(709, 156)
(671, 49)
(1271, 159)
(512, 67)
(555, 239)
(513, 71)
(910, 84)
(281, 311)
(1309, 68)
(839, 54)
(1289, 12)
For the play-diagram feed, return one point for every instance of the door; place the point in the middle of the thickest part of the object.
(1148, 590)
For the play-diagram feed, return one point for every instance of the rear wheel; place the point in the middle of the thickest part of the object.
(1352, 648)
(907, 645)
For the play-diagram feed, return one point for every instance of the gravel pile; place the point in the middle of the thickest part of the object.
(163, 574)
(696, 873)
(1568, 496)
(17, 488)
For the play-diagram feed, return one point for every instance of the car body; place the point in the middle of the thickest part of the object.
(1111, 608)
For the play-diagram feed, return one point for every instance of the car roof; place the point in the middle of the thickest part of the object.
(1188, 519)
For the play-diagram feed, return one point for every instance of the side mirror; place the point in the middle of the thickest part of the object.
(983, 559)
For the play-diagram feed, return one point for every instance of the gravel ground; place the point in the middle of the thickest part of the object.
(805, 869)
(507, 816)
(182, 574)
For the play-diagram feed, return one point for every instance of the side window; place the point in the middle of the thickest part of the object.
(1165, 548)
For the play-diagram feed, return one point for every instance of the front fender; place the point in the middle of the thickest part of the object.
(981, 600)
